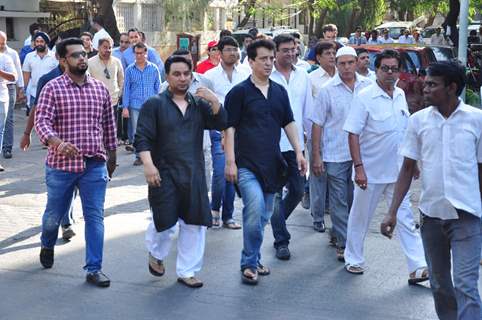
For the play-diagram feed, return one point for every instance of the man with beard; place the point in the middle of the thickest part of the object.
(376, 124)
(169, 139)
(36, 64)
(75, 119)
(446, 137)
(258, 109)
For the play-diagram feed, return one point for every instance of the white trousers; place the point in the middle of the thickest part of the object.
(364, 204)
(190, 246)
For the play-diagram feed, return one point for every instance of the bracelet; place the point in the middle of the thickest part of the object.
(358, 165)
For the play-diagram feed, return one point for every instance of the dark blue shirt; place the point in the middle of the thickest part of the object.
(257, 122)
(54, 73)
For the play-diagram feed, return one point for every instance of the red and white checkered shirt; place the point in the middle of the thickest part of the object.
(82, 115)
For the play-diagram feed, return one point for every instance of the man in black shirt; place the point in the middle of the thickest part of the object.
(257, 110)
(169, 138)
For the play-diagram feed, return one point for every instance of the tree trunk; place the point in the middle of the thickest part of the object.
(107, 12)
(250, 5)
(320, 23)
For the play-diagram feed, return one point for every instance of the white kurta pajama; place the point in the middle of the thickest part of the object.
(380, 122)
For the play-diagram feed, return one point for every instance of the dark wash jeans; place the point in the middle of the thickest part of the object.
(284, 206)
(458, 240)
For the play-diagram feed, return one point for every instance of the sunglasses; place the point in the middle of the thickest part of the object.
(392, 69)
(106, 73)
(78, 54)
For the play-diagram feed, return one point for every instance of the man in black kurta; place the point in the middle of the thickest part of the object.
(169, 137)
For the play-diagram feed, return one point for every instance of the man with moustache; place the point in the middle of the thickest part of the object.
(36, 64)
(75, 119)
(297, 84)
(363, 63)
(329, 113)
(169, 139)
(257, 109)
(376, 124)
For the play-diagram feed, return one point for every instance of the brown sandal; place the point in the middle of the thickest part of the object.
(249, 276)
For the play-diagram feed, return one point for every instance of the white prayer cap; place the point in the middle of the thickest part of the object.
(346, 51)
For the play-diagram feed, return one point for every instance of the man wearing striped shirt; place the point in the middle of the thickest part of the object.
(75, 119)
(142, 80)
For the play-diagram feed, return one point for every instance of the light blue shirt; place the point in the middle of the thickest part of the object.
(128, 58)
(140, 85)
(118, 54)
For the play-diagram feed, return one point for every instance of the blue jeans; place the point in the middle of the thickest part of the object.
(340, 195)
(3, 118)
(222, 192)
(92, 183)
(69, 215)
(284, 207)
(7, 143)
(257, 210)
(133, 117)
(318, 194)
(457, 240)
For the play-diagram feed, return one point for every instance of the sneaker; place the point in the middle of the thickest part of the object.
(67, 233)
(319, 226)
(7, 154)
(47, 257)
(305, 201)
(283, 253)
(98, 279)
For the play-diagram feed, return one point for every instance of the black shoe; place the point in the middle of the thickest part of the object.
(7, 154)
(283, 253)
(98, 279)
(67, 233)
(319, 227)
(47, 257)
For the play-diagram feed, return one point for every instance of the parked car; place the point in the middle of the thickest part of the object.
(395, 28)
(239, 35)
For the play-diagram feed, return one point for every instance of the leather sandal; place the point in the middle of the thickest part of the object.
(419, 275)
(249, 276)
(262, 270)
(190, 282)
(354, 269)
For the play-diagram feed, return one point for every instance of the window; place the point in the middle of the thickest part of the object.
(125, 16)
(10, 31)
(151, 17)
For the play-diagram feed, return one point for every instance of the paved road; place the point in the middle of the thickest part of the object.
(312, 285)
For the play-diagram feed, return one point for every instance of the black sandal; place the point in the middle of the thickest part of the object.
(262, 270)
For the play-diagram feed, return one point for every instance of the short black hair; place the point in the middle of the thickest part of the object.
(249, 35)
(61, 47)
(324, 45)
(123, 34)
(105, 39)
(140, 45)
(224, 33)
(360, 51)
(33, 28)
(253, 31)
(176, 59)
(283, 38)
(227, 41)
(387, 54)
(133, 30)
(329, 28)
(252, 50)
(451, 72)
(86, 33)
(181, 52)
(99, 20)
(296, 35)
(358, 28)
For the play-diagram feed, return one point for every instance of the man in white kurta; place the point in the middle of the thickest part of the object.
(376, 124)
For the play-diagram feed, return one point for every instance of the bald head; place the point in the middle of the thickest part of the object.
(3, 41)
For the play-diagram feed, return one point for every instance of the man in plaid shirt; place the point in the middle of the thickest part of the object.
(74, 117)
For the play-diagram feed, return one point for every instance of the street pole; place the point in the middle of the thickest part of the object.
(463, 34)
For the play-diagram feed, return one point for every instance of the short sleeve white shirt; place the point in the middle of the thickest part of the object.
(449, 151)
(330, 111)
(37, 67)
(380, 121)
(7, 65)
(220, 82)
(318, 78)
(301, 98)
(102, 33)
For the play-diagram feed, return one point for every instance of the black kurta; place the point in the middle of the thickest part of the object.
(176, 145)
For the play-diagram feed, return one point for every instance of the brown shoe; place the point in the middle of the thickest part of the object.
(190, 282)
(156, 267)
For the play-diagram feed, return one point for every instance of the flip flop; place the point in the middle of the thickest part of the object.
(419, 275)
(262, 270)
(354, 269)
(251, 280)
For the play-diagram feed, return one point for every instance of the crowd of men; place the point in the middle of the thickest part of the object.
(244, 123)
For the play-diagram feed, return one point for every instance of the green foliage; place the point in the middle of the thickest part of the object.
(184, 14)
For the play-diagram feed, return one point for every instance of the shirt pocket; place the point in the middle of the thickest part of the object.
(381, 122)
(463, 143)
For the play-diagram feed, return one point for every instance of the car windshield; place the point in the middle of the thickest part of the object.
(442, 54)
(415, 59)
(407, 64)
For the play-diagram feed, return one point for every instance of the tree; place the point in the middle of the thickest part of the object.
(106, 10)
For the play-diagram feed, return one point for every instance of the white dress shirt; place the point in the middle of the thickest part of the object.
(318, 78)
(102, 33)
(7, 65)
(383, 40)
(220, 82)
(330, 112)
(380, 121)
(18, 66)
(406, 39)
(301, 99)
(448, 151)
(300, 63)
(37, 67)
